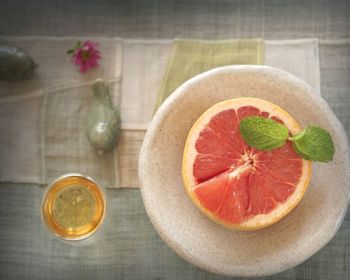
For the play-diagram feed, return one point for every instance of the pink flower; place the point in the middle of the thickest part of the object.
(85, 56)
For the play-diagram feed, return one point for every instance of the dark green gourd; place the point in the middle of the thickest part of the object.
(15, 63)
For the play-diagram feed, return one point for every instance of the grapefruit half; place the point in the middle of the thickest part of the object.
(234, 184)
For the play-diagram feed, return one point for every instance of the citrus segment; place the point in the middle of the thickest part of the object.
(225, 196)
(233, 183)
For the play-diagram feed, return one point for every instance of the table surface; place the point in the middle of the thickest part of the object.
(128, 247)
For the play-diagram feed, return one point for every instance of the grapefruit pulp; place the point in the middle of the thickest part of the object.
(235, 184)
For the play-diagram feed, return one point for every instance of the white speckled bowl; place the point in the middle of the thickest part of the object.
(208, 245)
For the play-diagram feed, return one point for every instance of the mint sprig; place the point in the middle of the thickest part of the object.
(313, 143)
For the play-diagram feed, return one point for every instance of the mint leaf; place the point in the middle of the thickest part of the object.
(262, 133)
(314, 143)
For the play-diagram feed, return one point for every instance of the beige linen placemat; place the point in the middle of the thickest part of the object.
(38, 157)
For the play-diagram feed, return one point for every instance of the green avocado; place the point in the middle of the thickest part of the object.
(15, 63)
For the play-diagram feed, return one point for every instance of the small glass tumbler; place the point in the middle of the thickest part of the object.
(74, 207)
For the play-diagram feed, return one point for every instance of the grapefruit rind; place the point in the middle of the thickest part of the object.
(261, 220)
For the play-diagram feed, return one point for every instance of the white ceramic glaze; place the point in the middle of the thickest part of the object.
(208, 245)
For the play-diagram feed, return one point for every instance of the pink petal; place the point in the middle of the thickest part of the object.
(92, 63)
(83, 68)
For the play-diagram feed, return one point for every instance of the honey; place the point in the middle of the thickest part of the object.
(74, 207)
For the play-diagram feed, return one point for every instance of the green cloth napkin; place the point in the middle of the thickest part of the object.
(191, 57)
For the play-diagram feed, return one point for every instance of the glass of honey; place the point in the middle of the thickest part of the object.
(74, 207)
